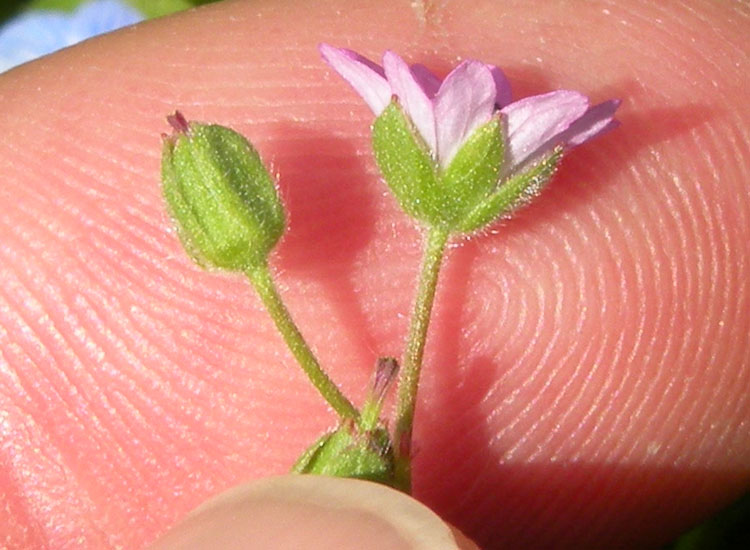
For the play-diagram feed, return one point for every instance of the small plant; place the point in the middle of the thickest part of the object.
(458, 154)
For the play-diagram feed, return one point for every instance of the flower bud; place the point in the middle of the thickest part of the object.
(223, 200)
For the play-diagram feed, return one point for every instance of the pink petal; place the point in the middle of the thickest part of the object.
(502, 85)
(413, 98)
(534, 121)
(367, 78)
(596, 121)
(428, 81)
(465, 101)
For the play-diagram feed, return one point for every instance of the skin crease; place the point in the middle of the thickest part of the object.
(586, 372)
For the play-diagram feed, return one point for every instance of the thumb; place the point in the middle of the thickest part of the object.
(311, 512)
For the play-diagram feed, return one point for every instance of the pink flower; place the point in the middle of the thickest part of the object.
(446, 113)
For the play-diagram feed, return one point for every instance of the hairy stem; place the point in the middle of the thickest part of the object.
(261, 279)
(412, 362)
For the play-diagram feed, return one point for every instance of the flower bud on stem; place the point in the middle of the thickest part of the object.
(229, 216)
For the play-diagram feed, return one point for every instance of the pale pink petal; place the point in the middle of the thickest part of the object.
(596, 121)
(465, 101)
(428, 81)
(534, 121)
(502, 86)
(413, 98)
(367, 78)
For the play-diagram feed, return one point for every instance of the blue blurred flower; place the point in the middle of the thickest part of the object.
(36, 33)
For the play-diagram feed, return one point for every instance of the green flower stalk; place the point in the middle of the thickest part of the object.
(458, 154)
(229, 216)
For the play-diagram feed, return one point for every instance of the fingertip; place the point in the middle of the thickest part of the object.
(313, 512)
(463, 542)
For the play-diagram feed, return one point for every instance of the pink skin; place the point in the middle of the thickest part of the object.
(587, 371)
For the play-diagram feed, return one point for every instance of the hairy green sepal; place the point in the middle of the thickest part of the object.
(513, 193)
(224, 201)
(359, 448)
(352, 452)
(405, 162)
(473, 172)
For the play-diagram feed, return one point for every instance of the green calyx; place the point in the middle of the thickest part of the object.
(470, 192)
(477, 187)
(351, 452)
(359, 448)
(218, 191)
(515, 192)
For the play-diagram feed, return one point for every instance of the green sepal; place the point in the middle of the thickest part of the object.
(406, 164)
(359, 448)
(222, 198)
(473, 172)
(513, 193)
(436, 196)
(350, 452)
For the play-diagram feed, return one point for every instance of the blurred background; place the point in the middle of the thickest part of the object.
(32, 28)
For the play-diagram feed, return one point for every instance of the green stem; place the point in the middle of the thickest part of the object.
(261, 279)
(412, 363)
